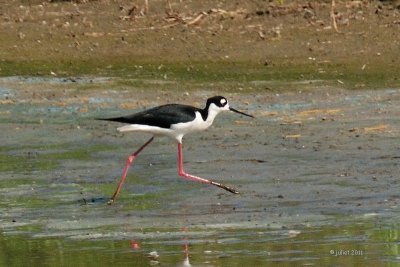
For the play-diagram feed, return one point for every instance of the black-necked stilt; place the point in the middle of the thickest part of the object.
(175, 121)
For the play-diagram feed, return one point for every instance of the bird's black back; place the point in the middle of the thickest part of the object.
(161, 116)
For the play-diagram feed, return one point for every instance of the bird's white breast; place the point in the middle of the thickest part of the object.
(198, 124)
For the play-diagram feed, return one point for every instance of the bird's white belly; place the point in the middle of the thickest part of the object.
(177, 131)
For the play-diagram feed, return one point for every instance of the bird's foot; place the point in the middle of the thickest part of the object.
(227, 188)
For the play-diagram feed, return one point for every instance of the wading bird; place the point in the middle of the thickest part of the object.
(173, 120)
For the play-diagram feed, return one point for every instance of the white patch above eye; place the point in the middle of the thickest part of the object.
(223, 101)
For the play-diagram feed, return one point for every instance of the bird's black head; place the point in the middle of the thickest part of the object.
(220, 103)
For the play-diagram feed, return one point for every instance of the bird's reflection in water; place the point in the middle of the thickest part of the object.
(153, 256)
(186, 261)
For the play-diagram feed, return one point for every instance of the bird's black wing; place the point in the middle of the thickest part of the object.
(161, 116)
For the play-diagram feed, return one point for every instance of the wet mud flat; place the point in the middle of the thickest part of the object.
(317, 170)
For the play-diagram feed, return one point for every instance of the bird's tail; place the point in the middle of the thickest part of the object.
(125, 128)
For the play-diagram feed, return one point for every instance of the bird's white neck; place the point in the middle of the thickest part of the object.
(213, 111)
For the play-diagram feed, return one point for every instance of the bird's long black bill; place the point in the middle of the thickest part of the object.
(227, 188)
(237, 111)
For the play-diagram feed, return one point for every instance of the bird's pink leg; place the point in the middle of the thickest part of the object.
(196, 178)
(129, 161)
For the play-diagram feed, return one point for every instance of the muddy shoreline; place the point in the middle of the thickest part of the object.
(268, 40)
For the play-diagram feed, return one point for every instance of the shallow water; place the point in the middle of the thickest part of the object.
(345, 244)
(317, 171)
